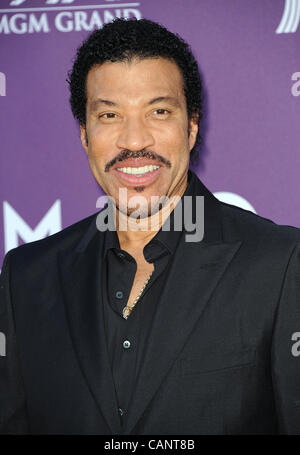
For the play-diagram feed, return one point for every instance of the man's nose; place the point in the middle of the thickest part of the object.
(134, 135)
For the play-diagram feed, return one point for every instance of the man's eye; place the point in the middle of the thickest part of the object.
(107, 115)
(162, 111)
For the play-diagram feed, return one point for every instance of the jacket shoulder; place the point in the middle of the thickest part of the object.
(48, 246)
(251, 226)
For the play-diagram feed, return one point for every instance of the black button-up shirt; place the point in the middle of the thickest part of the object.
(126, 338)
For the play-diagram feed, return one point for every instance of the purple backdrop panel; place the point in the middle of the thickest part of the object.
(248, 53)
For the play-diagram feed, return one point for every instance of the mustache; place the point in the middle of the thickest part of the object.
(137, 154)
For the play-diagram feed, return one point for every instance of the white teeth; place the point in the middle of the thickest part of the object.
(137, 170)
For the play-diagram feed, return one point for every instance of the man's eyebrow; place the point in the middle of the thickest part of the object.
(168, 99)
(94, 104)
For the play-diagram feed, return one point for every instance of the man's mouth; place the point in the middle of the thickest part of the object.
(134, 174)
(138, 171)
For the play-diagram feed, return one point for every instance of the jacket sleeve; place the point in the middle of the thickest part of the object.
(13, 412)
(285, 351)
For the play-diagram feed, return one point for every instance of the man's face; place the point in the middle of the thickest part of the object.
(136, 116)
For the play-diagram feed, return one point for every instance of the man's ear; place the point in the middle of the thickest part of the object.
(83, 137)
(193, 130)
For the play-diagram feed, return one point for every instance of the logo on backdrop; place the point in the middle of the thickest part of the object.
(290, 17)
(43, 16)
(15, 227)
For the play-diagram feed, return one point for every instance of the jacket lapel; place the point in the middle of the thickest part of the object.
(81, 277)
(196, 270)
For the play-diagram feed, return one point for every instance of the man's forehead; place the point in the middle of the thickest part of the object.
(151, 77)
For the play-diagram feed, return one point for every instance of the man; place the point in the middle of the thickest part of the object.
(145, 330)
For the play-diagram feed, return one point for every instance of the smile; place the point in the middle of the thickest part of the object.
(138, 175)
(138, 171)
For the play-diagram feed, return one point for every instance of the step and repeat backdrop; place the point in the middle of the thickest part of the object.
(249, 57)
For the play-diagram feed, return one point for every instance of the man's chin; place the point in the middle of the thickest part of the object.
(138, 213)
(139, 205)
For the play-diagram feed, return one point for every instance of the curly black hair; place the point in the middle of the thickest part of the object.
(125, 39)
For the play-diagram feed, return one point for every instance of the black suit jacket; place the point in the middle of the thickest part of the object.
(222, 357)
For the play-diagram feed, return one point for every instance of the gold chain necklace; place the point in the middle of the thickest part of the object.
(128, 308)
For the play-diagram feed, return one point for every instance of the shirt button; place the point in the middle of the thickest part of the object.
(119, 294)
(126, 344)
(121, 411)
